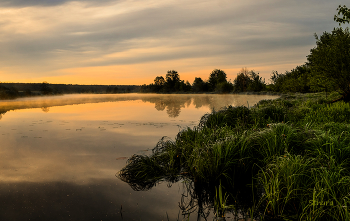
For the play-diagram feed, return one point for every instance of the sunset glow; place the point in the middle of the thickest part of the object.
(130, 42)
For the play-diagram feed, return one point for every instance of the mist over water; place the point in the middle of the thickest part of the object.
(60, 154)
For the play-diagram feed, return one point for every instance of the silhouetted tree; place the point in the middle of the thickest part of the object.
(198, 85)
(224, 87)
(28, 92)
(242, 81)
(217, 76)
(8, 93)
(256, 82)
(45, 88)
(159, 81)
(248, 81)
(172, 78)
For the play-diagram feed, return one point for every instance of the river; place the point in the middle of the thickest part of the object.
(60, 154)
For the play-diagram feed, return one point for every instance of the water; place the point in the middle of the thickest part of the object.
(60, 154)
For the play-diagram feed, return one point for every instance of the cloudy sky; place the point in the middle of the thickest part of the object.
(133, 41)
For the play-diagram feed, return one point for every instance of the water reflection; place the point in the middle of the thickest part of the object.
(173, 104)
(45, 109)
(60, 154)
(101, 200)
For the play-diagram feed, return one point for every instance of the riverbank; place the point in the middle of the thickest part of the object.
(282, 159)
(19, 90)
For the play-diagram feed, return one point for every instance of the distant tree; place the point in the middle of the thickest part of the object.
(109, 89)
(330, 61)
(198, 85)
(28, 92)
(186, 86)
(242, 80)
(172, 77)
(45, 88)
(216, 76)
(159, 81)
(247, 80)
(277, 80)
(224, 87)
(115, 90)
(256, 82)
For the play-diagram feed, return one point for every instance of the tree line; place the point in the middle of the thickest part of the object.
(327, 69)
(217, 82)
(14, 90)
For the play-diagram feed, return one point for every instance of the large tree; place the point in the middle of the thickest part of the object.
(159, 81)
(217, 76)
(330, 61)
(172, 79)
(247, 80)
(199, 85)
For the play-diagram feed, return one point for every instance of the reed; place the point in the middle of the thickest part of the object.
(285, 159)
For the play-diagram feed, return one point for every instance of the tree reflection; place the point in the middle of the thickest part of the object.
(160, 106)
(2, 113)
(172, 104)
(45, 109)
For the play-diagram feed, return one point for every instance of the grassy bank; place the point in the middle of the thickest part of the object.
(285, 159)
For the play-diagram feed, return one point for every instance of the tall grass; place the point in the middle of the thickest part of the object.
(285, 159)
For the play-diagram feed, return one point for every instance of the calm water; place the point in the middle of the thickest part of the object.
(60, 154)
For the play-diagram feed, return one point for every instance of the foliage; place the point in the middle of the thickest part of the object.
(171, 83)
(45, 88)
(8, 93)
(242, 81)
(159, 81)
(345, 13)
(256, 83)
(248, 81)
(199, 85)
(172, 80)
(296, 80)
(216, 77)
(224, 87)
(330, 61)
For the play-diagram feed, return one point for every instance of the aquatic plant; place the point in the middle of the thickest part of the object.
(285, 159)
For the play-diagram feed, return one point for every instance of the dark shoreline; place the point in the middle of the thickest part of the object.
(10, 91)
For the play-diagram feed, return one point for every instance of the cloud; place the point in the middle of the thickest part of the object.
(71, 34)
(46, 3)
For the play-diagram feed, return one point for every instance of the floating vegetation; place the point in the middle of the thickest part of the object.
(284, 159)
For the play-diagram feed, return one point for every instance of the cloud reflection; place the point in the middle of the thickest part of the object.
(171, 103)
(104, 199)
(61, 165)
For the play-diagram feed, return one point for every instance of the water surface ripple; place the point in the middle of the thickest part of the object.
(60, 154)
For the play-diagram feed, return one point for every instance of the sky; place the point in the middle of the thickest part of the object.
(130, 42)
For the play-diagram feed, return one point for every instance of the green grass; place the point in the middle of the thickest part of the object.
(285, 159)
